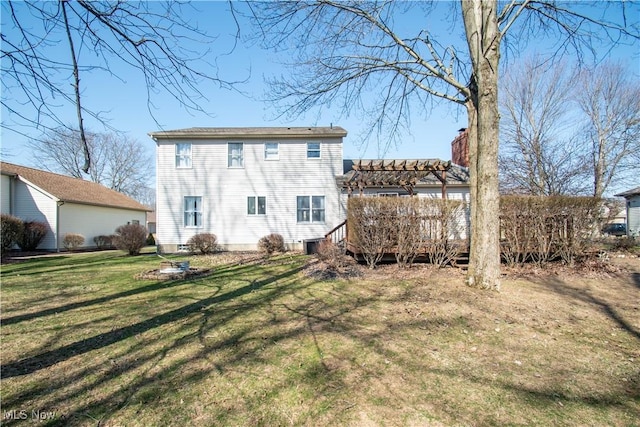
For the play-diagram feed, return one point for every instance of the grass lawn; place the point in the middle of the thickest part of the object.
(263, 343)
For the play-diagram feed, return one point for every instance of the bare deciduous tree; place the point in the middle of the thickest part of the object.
(119, 162)
(610, 99)
(568, 132)
(540, 155)
(154, 38)
(344, 51)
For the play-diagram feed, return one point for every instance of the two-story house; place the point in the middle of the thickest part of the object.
(244, 183)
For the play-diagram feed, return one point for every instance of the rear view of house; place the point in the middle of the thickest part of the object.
(244, 183)
(65, 204)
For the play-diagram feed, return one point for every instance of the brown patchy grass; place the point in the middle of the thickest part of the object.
(262, 342)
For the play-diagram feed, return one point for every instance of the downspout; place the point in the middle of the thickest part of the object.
(58, 204)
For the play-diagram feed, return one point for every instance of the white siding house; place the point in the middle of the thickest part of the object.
(633, 211)
(65, 204)
(244, 183)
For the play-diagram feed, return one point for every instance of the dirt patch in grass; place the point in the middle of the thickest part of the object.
(265, 342)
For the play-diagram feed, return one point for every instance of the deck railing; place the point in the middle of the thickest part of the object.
(338, 235)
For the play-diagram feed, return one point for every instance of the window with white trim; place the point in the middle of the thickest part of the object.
(236, 155)
(313, 150)
(310, 208)
(183, 155)
(256, 205)
(271, 151)
(193, 211)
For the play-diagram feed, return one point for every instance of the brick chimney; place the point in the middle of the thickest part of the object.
(460, 148)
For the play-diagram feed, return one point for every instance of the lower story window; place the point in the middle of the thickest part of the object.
(193, 211)
(256, 205)
(310, 208)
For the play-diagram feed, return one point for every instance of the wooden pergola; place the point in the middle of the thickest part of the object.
(403, 174)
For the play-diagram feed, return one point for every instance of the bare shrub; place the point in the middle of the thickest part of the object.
(11, 230)
(625, 244)
(271, 243)
(332, 254)
(372, 226)
(205, 243)
(32, 234)
(441, 223)
(543, 229)
(411, 239)
(407, 227)
(72, 241)
(103, 242)
(130, 238)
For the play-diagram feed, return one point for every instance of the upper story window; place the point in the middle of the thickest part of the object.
(271, 151)
(193, 211)
(310, 208)
(256, 205)
(183, 155)
(313, 150)
(236, 155)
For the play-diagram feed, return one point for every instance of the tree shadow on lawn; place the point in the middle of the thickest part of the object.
(53, 264)
(559, 286)
(239, 351)
(49, 358)
(217, 274)
(152, 383)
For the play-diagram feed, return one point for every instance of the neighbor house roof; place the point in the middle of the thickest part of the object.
(629, 193)
(250, 132)
(72, 190)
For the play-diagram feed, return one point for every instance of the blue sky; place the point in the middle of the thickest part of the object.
(123, 101)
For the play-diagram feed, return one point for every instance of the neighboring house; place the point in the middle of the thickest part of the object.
(65, 204)
(633, 211)
(244, 183)
(151, 222)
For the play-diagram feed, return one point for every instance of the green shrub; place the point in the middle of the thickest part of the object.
(271, 243)
(130, 238)
(32, 234)
(72, 241)
(11, 229)
(151, 241)
(205, 243)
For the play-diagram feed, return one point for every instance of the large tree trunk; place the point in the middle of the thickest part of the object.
(483, 38)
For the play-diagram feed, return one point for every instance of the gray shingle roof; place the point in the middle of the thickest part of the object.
(629, 193)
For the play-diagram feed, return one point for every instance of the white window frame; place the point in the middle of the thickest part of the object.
(269, 152)
(183, 159)
(256, 205)
(196, 211)
(314, 150)
(311, 209)
(231, 156)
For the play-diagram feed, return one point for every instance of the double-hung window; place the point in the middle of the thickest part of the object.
(236, 155)
(183, 155)
(271, 151)
(310, 208)
(256, 205)
(193, 211)
(313, 150)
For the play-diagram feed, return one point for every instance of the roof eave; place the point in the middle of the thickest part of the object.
(284, 134)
